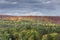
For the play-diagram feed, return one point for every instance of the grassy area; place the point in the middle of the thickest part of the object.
(29, 30)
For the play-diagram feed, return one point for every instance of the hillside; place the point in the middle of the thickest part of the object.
(53, 19)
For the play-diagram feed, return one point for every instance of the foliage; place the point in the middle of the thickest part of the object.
(29, 30)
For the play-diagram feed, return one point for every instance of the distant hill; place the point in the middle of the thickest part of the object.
(53, 19)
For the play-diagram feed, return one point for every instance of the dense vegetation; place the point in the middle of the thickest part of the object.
(29, 30)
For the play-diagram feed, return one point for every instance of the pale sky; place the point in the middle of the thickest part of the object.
(30, 7)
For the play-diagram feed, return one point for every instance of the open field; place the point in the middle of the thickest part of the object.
(29, 30)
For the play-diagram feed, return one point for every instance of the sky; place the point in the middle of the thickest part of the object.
(30, 7)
